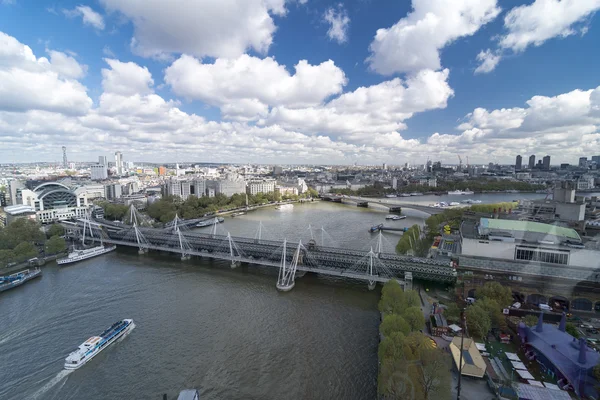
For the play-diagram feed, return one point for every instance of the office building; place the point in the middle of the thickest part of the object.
(546, 163)
(2, 199)
(519, 163)
(596, 159)
(12, 213)
(65, 163)
(113, 191)
(119, 162)
(186, 188)
(277, 170)
(261, 186)
(162, 171)
(102, 160)
(98, 172)
(15, 188)
(532, 161)
(583, 162)
(229, 187)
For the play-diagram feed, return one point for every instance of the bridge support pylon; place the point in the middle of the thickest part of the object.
(408, 281)
(287, 273)
(372, 284)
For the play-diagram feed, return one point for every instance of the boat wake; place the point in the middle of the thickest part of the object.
(61, 377)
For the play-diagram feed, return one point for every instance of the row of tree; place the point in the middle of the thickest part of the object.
(164, 210)
(478, 185)
(23, 239)
(410, 368)
(414, 240)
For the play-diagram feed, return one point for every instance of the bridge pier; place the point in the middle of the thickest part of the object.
(235, 264)
(372, 285)
(142, 251)
(364, 204)
(185, 257)
(396, 210)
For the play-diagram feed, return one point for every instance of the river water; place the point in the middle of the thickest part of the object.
(201, 324)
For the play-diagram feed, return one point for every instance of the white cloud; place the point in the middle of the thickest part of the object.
(216, 28)
(564, 126)
(339, 22)
(66, 65)
(535, 23)
(126, 78)
(488, 61)
(245, 86)
(29, 83)
(375, 110)
(415, 41)
(89, 16)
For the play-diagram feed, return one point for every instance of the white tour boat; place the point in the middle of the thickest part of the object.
(94, 345)
(84, 254)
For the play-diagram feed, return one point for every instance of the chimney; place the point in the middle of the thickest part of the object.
(582, 350)
(563, 323)
(540, 324)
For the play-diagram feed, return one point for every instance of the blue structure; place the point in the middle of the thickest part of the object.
(560, 353)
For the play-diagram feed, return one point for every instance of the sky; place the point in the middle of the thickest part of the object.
(300, 81)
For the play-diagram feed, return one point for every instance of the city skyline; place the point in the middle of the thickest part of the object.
(100, 78)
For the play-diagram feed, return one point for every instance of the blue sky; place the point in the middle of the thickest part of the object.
(216, 90)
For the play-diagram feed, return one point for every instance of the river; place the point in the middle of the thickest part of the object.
(201, 324)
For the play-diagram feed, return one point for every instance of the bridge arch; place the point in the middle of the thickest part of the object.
(582, 304)
(537, 299)
(559, 302)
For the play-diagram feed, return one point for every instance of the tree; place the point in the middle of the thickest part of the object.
(394, 323)
(571, 329)
(478, 321)
(531, 320)
(392, 347)
(495, 291)
(452, 313)
(55, 245)
(392, 298)
(494, 311)
(412, 298)
(6, 257)
(414, 317)
(433, 374)
(24, 251)
(55, 230)
(21, 230)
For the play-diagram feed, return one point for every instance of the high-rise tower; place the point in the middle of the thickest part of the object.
(119, 162)
(65, 163)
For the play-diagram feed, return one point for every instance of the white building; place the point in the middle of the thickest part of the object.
(119, 162)
(113, 191)
(585, 182)
(394, 183)
(261, 186)
(185, 188)
(529, 248)
(53, 201)
(99, 172)
(94, 191)
(230, 187)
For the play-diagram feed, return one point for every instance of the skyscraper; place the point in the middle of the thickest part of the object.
(65, 163)
(119, 162)
(532, 161)
(102, 160)
(596, 159)
(519, 163)
(546, 163)
(583, 162)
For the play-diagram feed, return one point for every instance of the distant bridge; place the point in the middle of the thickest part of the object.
(290, 258)
(392, 205)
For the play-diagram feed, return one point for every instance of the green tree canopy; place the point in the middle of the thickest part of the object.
(394, 323)
(392, 298)
(412, 298)
(531, 320)
(478, 321)
(55, 230)
(6, 257)
(21, 230)
(494, 311)
(452, 313)
(55, 245)
(24, 251)
(495, 291)
(571, 329)
(392, 347)
(414, 317)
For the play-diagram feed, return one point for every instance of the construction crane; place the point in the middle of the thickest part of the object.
(459, 162)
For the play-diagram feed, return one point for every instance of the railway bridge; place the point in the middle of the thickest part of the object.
(292, 259)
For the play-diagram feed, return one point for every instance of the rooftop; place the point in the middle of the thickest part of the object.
(472, 362)
(527, 226)
(18, 209)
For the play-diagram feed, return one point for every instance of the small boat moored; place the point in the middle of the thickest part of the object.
(17, 279)
(375, 228)
(209, 222)
(94, 345)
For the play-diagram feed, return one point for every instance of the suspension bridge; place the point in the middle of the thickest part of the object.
(293, 259)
